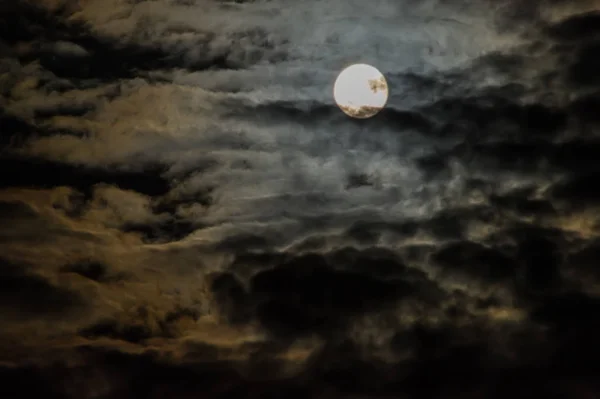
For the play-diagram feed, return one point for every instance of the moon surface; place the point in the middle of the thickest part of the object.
(361, 91)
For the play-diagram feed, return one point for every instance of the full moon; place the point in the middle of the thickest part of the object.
(361, 91)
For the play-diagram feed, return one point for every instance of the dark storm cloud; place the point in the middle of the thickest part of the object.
(573, 328)
(475, 260)
(111, 329)
(94, 270)
(49, 174)
(316, 113)
(13, 129)
(578, 189)
(69, 50)
(305, 295)
(579, 27)
(340, 372)
(582, 71)
(16, 211)
(368, 232)
(520, 204)
(231, 296)
(313, 293)
(541, 260)
(585, 108)
(24, 294)
(568, 311)
(585, 260)
(24, 224)
(179, 169)
(163, 231)
(24, 382)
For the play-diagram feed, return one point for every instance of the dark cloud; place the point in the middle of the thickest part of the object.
(380, 262)
(16, 211)
(76, 110)
(368, 232)
(243, 242)
(39, 173)
(14, 130)
(25, 382)
(499, 110)
(94, 270)
(585, 108)
(519, 203)
(360, 180)
(582, 71)
(578, 190)
(160, 232)
(27, 295)
(567, 311)
(24, 21)
(143, 323)
(585, 260)
(452, 224)
(306, 294)
(247, 264)
(231, 297)
(187, 213)
(475, 260)
(293, 111)
(541, 260)
(111, 329)
(579, 27)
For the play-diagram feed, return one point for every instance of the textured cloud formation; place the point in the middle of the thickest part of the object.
(186, 212)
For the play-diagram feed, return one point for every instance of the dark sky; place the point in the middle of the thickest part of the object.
(185, 212)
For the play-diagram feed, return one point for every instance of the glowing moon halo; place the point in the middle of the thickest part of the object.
(361, 91)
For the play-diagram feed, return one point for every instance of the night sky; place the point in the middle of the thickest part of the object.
(186, 213)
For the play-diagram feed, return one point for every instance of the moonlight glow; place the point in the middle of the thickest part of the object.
(361, 91)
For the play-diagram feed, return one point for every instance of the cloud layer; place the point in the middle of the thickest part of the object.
(187, 212)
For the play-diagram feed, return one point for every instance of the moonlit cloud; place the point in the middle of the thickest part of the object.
(187, 212)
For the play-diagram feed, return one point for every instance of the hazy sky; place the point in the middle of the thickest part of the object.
(185, 212)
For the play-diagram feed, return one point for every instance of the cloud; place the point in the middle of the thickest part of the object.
(186, 211)
(92, 270)
(27, 295)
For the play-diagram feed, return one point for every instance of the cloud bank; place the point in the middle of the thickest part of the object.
(186, 211)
